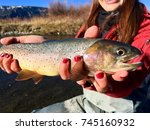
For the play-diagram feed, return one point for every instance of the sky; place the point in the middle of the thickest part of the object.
(45, 3)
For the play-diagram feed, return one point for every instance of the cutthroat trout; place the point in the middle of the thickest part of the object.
(37, 60)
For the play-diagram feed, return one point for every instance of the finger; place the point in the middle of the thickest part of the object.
(100, 82)
(8, 40)
(23, 39)
(120, 75)
(64, 69)
(1, 60)
(78, 71)
(31, 39)
(15, 66)
(76, 59)
(6, 63)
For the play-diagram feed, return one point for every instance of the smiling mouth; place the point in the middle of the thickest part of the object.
(111, 1)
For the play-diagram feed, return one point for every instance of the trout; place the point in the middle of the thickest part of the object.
(43, 59)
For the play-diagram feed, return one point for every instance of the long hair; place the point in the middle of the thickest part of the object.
(129, 19)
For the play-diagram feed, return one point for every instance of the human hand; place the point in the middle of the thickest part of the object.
(22, 39)
(91, 32)
(98, 83)
(7, 62)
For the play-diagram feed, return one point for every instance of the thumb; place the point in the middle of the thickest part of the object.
(8, 40)
(100, 82)
(92, 32)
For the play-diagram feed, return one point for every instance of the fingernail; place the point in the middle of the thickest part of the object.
(3, 54)
(7, 56)
(65, 60)
(100, 75)
(77, 58)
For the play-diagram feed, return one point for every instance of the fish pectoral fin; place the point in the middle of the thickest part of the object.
(27, 74)
(79, 71)
(37, 78)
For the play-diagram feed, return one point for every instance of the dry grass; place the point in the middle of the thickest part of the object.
(66, 22)
(52, 25)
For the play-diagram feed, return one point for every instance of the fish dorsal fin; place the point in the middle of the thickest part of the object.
(79, 71)
(27, 74)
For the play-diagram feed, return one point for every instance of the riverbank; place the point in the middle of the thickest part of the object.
(60, 20)
(51, 25)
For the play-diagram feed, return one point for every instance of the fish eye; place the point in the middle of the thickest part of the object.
(121, 51)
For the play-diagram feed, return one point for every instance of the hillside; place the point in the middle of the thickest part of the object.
(24, 20)
(21, 11)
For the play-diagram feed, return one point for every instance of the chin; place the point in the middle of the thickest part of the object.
(111, 9)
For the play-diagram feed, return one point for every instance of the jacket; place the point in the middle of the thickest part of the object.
(135, 78)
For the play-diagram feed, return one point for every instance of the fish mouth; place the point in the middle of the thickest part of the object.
(127, 62)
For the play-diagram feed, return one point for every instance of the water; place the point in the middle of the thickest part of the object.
(24, 96)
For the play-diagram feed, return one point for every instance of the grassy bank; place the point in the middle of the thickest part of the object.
(52, 25)
(61, 20)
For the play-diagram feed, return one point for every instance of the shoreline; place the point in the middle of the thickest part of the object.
(52, 25)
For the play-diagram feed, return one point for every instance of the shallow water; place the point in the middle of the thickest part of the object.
(25, 96)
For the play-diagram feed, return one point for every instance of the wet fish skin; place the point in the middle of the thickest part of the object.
(111, 56)
(41, 59)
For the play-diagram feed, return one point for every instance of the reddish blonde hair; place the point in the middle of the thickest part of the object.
(129, 19)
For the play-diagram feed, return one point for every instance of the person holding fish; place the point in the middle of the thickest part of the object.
(122, 91)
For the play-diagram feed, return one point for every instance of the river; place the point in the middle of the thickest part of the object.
(25, 96)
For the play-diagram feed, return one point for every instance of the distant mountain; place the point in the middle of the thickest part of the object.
(21, 11)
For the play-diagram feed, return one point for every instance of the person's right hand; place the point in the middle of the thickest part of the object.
(100, 80)
(7, 62)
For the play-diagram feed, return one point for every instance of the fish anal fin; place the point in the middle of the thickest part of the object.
(79, 71)
(27, 74)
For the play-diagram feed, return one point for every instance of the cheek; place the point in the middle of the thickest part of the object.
(122, 1)
(90, 59)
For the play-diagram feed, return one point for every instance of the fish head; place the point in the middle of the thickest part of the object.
(110, 56)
